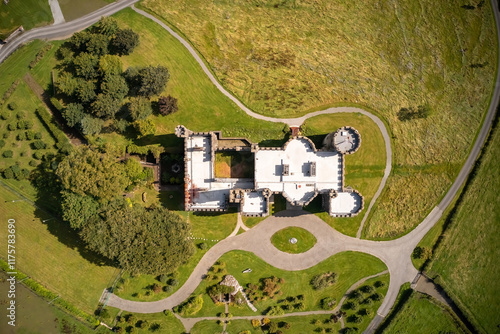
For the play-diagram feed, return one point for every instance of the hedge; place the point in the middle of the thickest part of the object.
(155, 150)
(54, 129)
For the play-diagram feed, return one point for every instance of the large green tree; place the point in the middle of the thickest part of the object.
(86, 65)
(139, 108)
(105, 106)
(124, 42)
(147, 81)
(78, 210)
(115, 86)
(149, 241)
(91, 125)
(73, 114)
(87, 172)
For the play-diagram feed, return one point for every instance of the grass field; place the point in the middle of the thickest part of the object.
(305, 240)
(422, 314)
(28, 13)
(465, 261)
(349, 266)
(52, 254)
(363, 170)
(298, 56)
(73, 9)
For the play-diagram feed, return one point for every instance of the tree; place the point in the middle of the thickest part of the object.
(85, 91)
(91, 125)
(114, 86)
(323, 280)
(73, 114)
(139, 108)
(107, 26)
(145, 127)
(86, 65)
(87, 172)
(124, 42)
(97, 44)
(167, 105)
(148, 81)
(105, 106)
(66, 84)
(142, 240)
(8, 173)
(78, 210)
(38, 145)
(133, 169)
(110, 65)
(2, 143)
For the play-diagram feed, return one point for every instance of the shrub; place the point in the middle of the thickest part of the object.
(275, 310)
(8, 173)
(355, 319)
(328, 303)
(379, 284)
(163, 278)
(156, 288)
(131, 319)
(2, 143)
(8, 154)
(30, 135)
(367, 311)
(38, 145)
(265, 321)
(12, 126)
(323, 280)
(202, 246)
(255, 323)
(167, 105)
(22, 154)
(6, 135)
(38, 135)
(356, 295)
(173, 282)
(300, 306)
(376, 297)
(38, 155)
(12, 106)
(4, 115)
(168, 288)
(21, 136)
(21, 125)
(367, 289)
(28, 124)
(33, 163)
(273, 327)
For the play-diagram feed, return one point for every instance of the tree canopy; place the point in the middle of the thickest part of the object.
(88, 172)
(124, 42)
(151, 241)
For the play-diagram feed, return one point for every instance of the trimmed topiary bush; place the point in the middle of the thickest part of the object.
(38, 155)
(2, 143)
(38, 145)
(33, 163)
(12, 106)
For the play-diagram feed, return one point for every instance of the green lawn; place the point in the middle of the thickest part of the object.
(363, 170)
(28, 13)
(163, 323)
(305, 240)
(298, 57)
(201, 106)
(349, 266)
(52, 254)
(422, 314)
(465, 261)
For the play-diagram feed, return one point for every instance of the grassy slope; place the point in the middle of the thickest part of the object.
(466, 261)
(305, 240)
(168, 324)
(73, 9)
(297, 56)
(422, 314)
(201, 106)
(349, 266)
(53, 256)
(28, 13)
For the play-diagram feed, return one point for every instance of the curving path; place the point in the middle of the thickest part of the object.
(396, 254)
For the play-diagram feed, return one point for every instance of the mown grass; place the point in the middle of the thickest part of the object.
(464, 262)
(363, 170)
(73, 9)
(349, 266)
(28, 13)
(298, 56)
(165, 323)
(423, 314)
(201, 106)
(305, 240)
(52, 254)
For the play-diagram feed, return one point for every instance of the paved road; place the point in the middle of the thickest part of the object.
(62, 30)
(396, 254)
